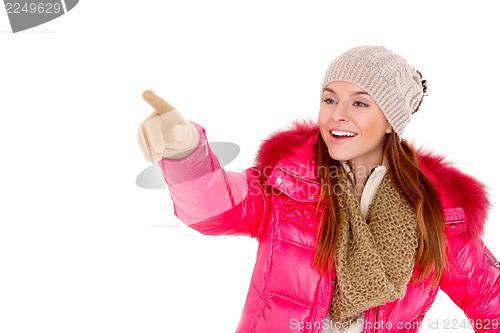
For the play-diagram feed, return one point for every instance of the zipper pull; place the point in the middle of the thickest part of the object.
(491, 258)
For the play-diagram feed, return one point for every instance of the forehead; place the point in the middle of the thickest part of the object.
(343, 87)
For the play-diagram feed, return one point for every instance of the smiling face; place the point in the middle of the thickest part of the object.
(352, 125)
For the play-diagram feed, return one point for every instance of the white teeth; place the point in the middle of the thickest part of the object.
(343, 133)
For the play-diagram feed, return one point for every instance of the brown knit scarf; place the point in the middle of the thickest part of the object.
(374, 257)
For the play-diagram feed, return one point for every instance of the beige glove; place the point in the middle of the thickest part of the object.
(165, 133)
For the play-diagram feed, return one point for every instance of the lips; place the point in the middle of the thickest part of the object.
(342, 134)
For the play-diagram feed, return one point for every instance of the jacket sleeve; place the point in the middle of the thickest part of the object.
(472, 279)
(211, 200)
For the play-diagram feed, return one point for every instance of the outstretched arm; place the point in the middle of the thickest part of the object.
(205, 196)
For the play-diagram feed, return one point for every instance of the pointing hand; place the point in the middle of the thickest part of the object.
(165, 133)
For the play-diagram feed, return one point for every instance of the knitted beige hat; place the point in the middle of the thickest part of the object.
(396, 86)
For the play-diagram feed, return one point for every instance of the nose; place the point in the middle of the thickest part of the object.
(340, 113)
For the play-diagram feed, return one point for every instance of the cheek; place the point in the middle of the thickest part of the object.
(374, 126)
(323, 116)
(320, 116)
(324, 135)
(322, 122)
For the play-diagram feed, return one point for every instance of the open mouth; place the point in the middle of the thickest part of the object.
(343, 134)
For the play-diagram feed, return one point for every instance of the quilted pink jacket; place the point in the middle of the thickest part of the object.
(275, 202)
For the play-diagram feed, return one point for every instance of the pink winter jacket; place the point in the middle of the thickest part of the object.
(276, 202)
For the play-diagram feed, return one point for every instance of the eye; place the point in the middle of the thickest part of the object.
(329, 101)
(361, 104)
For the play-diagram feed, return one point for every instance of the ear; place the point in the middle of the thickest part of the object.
(388, 129)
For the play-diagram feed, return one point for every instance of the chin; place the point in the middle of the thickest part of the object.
(338, 156)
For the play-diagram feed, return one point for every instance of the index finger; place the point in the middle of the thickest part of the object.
(158, 103)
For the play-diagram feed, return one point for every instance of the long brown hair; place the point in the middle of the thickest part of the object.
(416, 188)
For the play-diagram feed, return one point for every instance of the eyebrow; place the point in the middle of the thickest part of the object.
(356, 93)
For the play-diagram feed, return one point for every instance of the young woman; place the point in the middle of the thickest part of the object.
(357, 231)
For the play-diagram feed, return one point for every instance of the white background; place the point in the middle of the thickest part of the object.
(83, 249)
